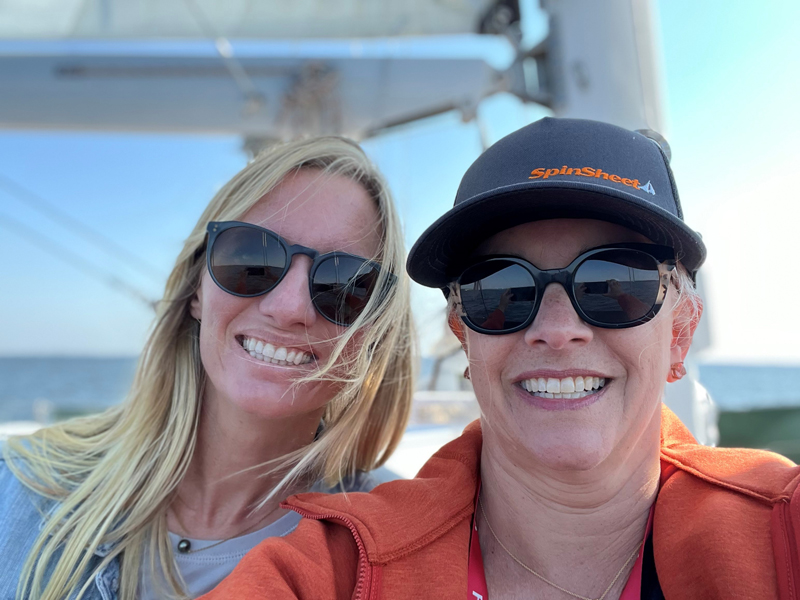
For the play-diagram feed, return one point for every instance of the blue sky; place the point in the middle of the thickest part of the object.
(731, 118)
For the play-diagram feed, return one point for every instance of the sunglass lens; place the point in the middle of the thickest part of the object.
(247, 261)
(617, 286)
(342, 286)
(497, 295)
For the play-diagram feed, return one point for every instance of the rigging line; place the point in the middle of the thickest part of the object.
(225, 51)
(46, 244)
(28, 197)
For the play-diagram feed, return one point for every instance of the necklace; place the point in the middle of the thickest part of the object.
(547, 581)
(185, 546)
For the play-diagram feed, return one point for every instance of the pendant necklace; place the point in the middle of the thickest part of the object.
(185, 545)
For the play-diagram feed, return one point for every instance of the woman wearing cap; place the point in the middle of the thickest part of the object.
(569, 276)
(279, 361)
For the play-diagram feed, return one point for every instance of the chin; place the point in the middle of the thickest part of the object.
(569, 452)
(570, 459)
(274, 401)
(264, 408)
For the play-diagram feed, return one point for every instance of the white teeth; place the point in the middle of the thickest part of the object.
(278, 356)
(568, 387)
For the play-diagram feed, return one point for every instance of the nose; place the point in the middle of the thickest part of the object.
(288, 304)
(557, 325)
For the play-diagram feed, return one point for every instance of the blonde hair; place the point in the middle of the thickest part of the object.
(689, 305)
(115, 473)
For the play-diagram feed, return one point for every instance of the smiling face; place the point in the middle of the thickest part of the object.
(324, 212)
(570, 433)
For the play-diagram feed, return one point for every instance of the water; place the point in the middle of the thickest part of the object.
(68, 385)
(73, 385)
(745, 387)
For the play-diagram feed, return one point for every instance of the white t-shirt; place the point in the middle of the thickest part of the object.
(202, 571)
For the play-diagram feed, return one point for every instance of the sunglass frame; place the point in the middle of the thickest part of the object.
(215, 228)
(664, 256)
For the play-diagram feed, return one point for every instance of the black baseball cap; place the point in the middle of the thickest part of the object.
(558, 168)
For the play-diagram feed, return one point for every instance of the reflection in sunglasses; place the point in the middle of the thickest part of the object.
(618, 286)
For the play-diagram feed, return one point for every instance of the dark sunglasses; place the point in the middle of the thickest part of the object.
(247, 260)
(615, 286)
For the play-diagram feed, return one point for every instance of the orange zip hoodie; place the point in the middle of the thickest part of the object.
(726, 525)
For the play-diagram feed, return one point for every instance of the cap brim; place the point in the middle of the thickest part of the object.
(439, 255)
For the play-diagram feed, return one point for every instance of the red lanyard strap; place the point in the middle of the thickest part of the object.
(476, 578)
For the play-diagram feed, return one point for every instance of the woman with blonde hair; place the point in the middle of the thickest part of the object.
(280, 361)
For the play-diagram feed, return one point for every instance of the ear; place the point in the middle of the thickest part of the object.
(196, 305)
(684, 324)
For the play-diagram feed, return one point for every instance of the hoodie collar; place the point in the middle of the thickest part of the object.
(759, 474)
(400, 516)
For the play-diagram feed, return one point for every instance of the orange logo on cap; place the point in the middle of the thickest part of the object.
(542, 173)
